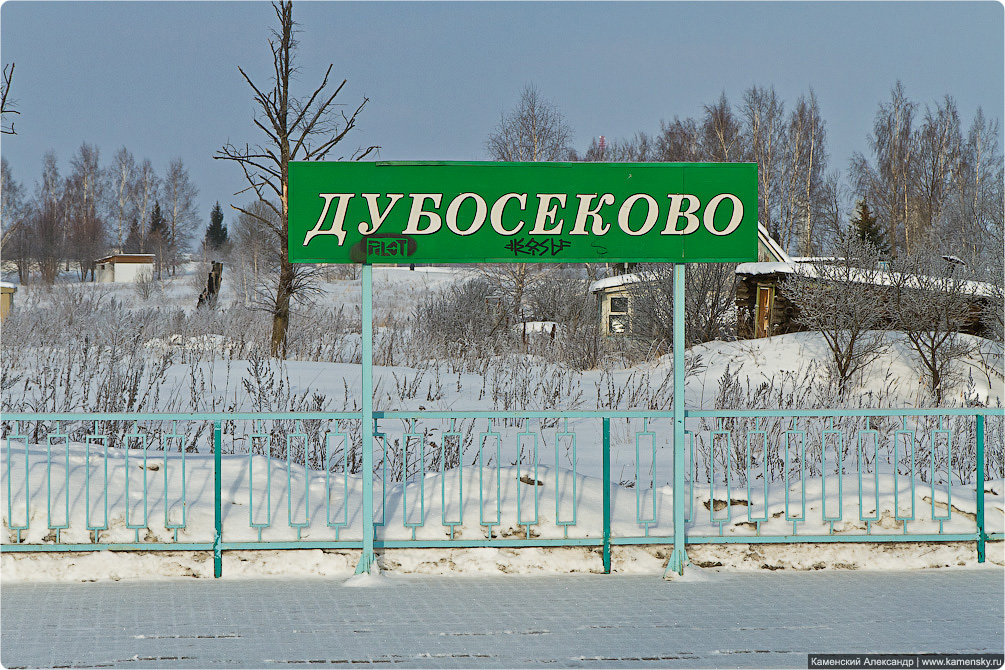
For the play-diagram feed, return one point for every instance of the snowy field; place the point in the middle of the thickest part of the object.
(517, 478)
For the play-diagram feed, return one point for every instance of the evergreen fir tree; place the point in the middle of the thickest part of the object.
(868, 229)
(159, 238)
(134, 241)
(216, 234)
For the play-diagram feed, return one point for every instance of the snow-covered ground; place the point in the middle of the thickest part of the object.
(145, 499)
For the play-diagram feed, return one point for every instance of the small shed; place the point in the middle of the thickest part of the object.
(124, 268)
(614, 303)
(613, 293)
(7, 291)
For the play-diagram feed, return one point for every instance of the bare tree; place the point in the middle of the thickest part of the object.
(888, 183)
(122, 182)
(85, 195)
(934, 300)
(801, 186)
(993, 315)
(842, 301)
(807, 115)
(48, 230)
(710, 295)
(680, 141)
(179, 194)
(722, 133)
(939, 152)
(534, 130)
(972, 218)
(254, 252)
(305, 128)
(7, 106)
(147, 187)
(834, 208)
(11, 207)
(765, 130)
(513, 282)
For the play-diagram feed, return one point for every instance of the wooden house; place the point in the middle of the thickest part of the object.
(764, 309)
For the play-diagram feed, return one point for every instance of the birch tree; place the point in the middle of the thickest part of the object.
(147, 186)
(85, 198)
(534, 130)
(939, 152)
(972, 218)
(765, 129)
(296, 127)
(812, 162)
(179, 194)
(721, 133)
(122, 182)
(887, 183)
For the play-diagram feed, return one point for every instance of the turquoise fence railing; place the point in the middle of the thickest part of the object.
(227, 481)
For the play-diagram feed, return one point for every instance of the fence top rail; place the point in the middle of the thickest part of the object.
(173, 416)
(717, 413)
(902, 411)
(488, 414)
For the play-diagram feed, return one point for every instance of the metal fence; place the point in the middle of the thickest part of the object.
(228, 481)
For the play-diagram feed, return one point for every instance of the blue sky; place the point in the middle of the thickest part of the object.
(161, 78)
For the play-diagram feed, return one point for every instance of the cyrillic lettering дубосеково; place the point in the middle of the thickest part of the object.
(548, 218)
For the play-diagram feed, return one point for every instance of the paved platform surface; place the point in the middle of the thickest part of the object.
(713, 620)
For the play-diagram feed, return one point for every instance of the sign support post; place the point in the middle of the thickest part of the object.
(368, 560)
(678, 557)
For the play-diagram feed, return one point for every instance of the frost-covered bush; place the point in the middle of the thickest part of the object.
(461, 321)
(887, 443)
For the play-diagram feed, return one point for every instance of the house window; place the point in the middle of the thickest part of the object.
(617, 319)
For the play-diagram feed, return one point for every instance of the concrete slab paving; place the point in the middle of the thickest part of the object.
(714, 619)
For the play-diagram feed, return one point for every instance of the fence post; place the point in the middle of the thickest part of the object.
(367, 560)
(607, 496)
(981, 535)
(678, 557)
(217, 499)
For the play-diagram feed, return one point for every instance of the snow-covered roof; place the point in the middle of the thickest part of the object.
(7, 284)
(858, 275)
(614, 282)
(127, 258)
(768, 268)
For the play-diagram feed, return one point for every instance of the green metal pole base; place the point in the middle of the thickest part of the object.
(678, 559)
(367, 563)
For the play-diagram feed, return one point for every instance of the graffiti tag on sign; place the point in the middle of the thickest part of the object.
(531, 247)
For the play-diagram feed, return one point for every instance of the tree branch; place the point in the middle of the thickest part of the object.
(5, 108)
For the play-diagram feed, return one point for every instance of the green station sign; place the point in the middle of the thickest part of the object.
(490, 212)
